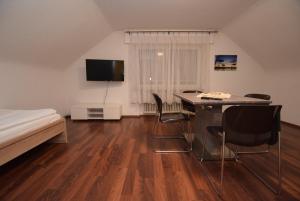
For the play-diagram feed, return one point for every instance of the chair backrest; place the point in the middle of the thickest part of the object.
(187, 105)
(252, 125)
(159, 103)
(260, 96)
(192, 91)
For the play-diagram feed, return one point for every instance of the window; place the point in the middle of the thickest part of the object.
(166, 63)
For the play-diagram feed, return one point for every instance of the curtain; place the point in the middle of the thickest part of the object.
(166, 63)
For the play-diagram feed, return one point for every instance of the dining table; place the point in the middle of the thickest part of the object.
(208, 112)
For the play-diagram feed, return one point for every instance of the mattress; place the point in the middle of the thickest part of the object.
(12, 118)
(16, 125)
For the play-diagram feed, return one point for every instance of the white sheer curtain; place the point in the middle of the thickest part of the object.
(166, 63)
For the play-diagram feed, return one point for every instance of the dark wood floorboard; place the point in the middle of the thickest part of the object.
(113, 160)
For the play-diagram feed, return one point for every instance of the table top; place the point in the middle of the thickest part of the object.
(233, 100)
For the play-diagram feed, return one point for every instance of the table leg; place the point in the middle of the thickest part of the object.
(208, 116)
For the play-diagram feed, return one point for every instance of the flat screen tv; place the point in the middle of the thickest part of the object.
(104, 70)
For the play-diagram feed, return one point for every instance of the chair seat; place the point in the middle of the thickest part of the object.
(250, 126)
(215, 130)
(173, 117)
(245, 139)
(188, 106)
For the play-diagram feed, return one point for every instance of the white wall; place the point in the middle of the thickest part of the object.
(80, 90)
(49, 32)
(246, 79)
(269, 31)
(31, 87)
(38, 40)
(43, 37)
(284, 87)
(27, 86)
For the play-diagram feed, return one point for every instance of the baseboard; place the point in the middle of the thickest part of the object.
(148, 114)
(137, 116)
(131, 116)
(290, 124)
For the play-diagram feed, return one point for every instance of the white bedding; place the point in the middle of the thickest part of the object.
(16, 124)
(12, 118)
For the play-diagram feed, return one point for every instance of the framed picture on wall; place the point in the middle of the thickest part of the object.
(225, 62)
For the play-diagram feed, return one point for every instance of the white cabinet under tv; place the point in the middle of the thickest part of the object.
(85, 111)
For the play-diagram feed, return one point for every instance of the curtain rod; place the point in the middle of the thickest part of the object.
(168, 31)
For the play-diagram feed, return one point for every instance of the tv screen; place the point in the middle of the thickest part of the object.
(104, 70)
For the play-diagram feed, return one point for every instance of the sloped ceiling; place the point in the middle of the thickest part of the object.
(49, 32)
(270, 32)
(171, 14)
(56, 32)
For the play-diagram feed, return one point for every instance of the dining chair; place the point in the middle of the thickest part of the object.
(170, 118)
(250, 126)
(187, 106)
(259, 96)
(189, 109)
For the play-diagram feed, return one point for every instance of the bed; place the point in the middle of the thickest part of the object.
(22, 130)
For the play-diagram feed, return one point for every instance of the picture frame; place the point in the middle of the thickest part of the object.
(225, 62)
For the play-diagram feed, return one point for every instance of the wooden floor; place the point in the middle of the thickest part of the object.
(113, 160)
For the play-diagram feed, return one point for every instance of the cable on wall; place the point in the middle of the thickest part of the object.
(107, 85)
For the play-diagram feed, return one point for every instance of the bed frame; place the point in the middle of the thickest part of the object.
(55, 131)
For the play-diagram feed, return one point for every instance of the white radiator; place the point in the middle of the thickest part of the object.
(151, 108)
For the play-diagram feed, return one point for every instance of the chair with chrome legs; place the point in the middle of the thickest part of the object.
(250, 126)
(258, 96)
(169, 118)
(189, 109)
(187, 106)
